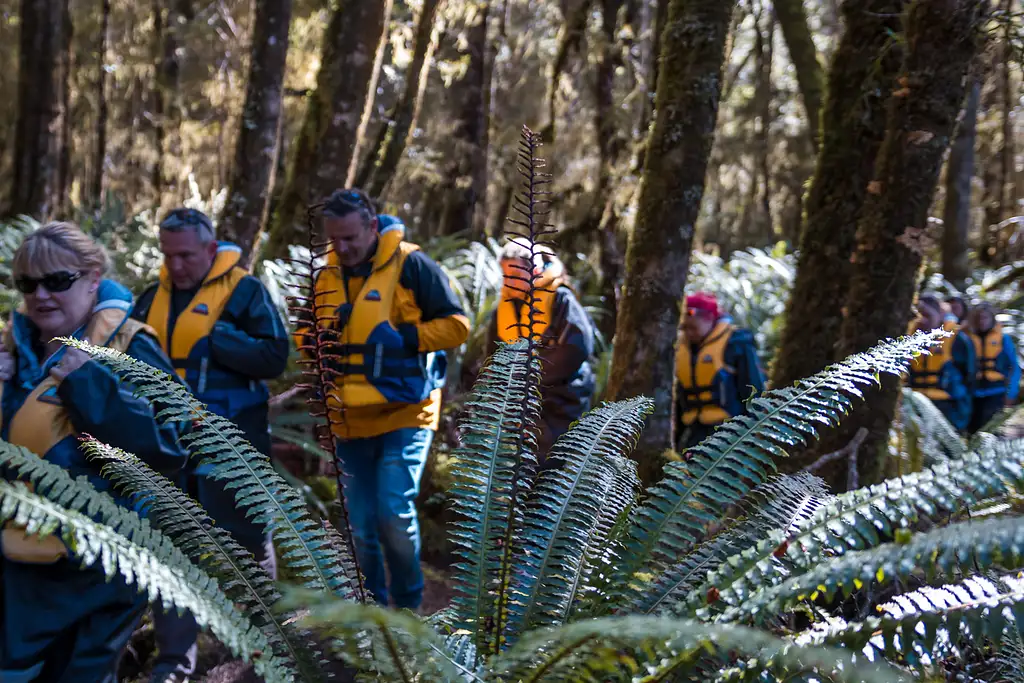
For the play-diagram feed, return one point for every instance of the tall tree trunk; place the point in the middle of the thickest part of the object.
(167, 107)
(102, 111)
(324, 149)
(37, 151)
(942, 38)
(157, 105)
(256, 150)
(570, 37)
(63, 201)
(853, 126)
(658, 258)
(464, 208)
(956, 215)
(809, 75)
(406, 113)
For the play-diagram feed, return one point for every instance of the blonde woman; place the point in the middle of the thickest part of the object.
(61, 622)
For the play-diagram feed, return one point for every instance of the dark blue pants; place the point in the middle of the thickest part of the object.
(64, 624)
(983, 409)
(381, 484)
(176, 634)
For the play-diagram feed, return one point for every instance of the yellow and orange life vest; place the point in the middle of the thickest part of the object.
(513, 313)
(197, 320)
(700, 376)
(926, 370)
(987, 350)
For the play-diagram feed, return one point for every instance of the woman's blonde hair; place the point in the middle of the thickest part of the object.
(58, 246)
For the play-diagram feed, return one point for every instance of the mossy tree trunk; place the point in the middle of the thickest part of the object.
(466, 193)
(658, 257)
(252, 176)
(942, 39)
(324, 149)
(956, 216)
(862, 75)
(792, 18)
(41, 77)
(385, 157)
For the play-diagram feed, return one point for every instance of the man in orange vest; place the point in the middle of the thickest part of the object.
(225, 338)
(946, 375)
(717, 370)
(394, 315)
(560, 323)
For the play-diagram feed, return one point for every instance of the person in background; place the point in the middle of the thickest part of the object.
(62, 622)
(997, 381)
(946, 375)
(225, 338)
(958, 308)
(717, 370)
(394, 315)
(563, 328)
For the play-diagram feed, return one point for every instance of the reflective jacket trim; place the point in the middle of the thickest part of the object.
(197, 320)
(987, 350)
(368, 356)
(926, 370)
(698, 377)
(514, 315)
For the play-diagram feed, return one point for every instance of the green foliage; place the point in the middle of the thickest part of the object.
(306, 549)
(97, 530)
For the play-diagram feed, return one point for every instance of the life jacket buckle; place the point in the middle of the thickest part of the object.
(378, 359)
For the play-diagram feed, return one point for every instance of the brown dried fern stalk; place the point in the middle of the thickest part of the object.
(319, 358)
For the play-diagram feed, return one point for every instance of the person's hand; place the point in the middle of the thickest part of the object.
(72, 360)
(6, 364)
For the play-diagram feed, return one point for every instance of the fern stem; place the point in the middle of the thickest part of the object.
(392, 646)
(558, 656)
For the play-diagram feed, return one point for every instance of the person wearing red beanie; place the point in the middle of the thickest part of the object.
(717, 370)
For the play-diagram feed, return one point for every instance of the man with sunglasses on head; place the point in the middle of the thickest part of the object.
(394, 314)
(225, 339)
(717, 370)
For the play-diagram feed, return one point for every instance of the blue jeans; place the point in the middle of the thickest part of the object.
(382, 480)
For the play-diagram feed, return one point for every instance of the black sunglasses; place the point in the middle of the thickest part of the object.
(60, 281)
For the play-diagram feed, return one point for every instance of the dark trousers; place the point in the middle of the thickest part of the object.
(63, 623)
(176, 634)
(693, 434)
(984, 409)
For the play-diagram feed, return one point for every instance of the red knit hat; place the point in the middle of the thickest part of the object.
(704, 302)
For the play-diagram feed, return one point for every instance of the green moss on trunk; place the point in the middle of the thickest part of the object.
(942, 39)
(658, 257)
(853, 126)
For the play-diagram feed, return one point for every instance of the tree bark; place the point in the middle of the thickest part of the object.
(62, 201)
(853, 126)
(256, 150)
(942, 38)
(658, 257)
(570, 37)
(37, 152)
(464, 208)
(324, 149)
(810, 76)
(102, 110)
(956, 215)
(406, 113)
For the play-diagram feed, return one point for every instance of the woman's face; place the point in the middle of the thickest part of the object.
(59, 313)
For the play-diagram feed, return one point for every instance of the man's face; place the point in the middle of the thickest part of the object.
(188, 260)
(984, 319)
(931, 317)
(353, 237)
(697, 325)
(516, 273)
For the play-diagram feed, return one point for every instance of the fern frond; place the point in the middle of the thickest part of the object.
(564, 509)
(938, 436)
(403, 647)
(141, 555)
(211, 548)
(484, 476)
(926, 624)
(933, 556)
(857, 519)
(268, 500)
(621, 648)
(782, 502)
(741, 453)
